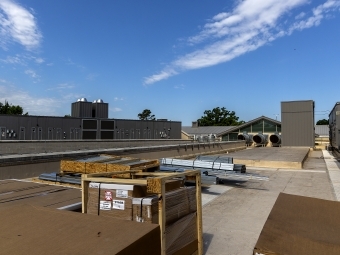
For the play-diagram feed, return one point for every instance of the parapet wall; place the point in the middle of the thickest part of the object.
(29, 159)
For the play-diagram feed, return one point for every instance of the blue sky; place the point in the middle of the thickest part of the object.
(176, 58)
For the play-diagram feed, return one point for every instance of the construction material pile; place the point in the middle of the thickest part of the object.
(171, 205)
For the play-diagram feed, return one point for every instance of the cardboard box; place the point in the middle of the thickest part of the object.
(114, 200)
(145, 209)
(178, 203)
(301, 225)
(180, 234)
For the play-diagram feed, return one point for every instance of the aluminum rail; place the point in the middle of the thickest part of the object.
(55, 177)
(197, 164)
(221, 159)
(207, 174)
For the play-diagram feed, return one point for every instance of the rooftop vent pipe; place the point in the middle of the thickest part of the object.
(275, 138)
(260, 138)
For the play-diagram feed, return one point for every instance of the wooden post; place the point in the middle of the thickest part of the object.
(85, 193)
(199, 214)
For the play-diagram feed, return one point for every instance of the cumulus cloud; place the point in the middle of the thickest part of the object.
(19, 25)
(32, 105)
(250, 25)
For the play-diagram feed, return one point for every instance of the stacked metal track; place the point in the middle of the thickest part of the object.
(213, 168)
(56, 177)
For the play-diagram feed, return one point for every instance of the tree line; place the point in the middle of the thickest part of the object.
(7, 108)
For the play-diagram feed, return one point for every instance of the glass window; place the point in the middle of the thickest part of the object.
(233, 136)
(279, 129)
(269, 127)
(257, 127)
(245, 129)
(225, 138)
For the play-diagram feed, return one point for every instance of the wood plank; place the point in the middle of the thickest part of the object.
(91, 167)
(112, 180)
(72, 166)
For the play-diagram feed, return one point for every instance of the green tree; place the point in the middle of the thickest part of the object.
(322, 122)
(219, 117)
(146, 115)
(11, 109)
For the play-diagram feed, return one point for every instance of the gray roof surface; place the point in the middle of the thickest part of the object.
(322, 130)
(205, 130)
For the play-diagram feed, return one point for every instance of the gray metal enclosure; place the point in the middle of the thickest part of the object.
(334, 126)
(297, 123)
(19, 127)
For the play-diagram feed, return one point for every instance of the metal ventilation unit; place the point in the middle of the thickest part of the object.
(81, 109)
(100, 109)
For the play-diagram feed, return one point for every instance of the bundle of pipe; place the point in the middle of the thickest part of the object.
(260, 138)
(218, 158)
(275, 139)
(247, 138)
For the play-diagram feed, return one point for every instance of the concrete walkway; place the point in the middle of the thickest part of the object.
(272, 157)
(233, 221)
(333, 167)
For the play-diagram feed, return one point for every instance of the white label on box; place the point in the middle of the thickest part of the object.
(105, 205)
(121, 193)
(118, 204)
(149, 213)
(139, 219)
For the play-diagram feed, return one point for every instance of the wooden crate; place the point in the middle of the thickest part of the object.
(108, 164)
(155, 182)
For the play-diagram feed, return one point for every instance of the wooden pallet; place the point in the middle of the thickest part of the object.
(155, 182)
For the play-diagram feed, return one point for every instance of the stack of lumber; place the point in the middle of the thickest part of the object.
(151, 197)
(108, 163)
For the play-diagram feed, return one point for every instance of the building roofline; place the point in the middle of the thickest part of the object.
(249, 122)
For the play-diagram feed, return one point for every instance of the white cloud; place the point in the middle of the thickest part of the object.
(39, 60)
(32, 105)
(18, 24)
(115, 109)
(118, 99)
(179, 86)
(91, 76)
(300, 16)
(250, 25)
(32, 73)
(17, 59)
(62, 86)
(160, 76)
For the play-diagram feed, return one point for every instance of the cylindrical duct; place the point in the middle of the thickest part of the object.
(260, 139)
(247, 138)
(275, 138)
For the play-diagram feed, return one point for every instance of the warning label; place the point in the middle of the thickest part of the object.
(108, 195)
(118, 204)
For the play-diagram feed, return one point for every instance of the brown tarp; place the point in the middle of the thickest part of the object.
(302, 226)
(26, 229)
